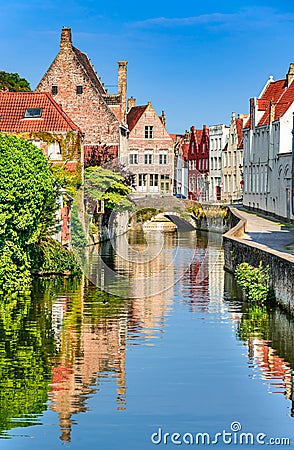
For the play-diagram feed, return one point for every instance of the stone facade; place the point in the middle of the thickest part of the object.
(150, 151)
(218, 137)
(232, 160)
(75, 86)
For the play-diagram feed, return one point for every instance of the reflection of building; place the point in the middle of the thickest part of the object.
(87, 353)
(151, 158)
(272, 366)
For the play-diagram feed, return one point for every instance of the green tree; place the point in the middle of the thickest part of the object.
(13, 82)
(27, 205)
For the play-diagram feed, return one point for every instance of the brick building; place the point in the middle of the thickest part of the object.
(198, 164)
(39, 119)
(74, 84)
(150, 154)
(181, 148)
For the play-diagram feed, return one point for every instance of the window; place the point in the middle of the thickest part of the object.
(79, 90)
(148, 131)
(142, 185)
(54, 151)
(133, 157)
(148, 159)
(33, 113)
(162, 156)
(154, 182)
(54, 90)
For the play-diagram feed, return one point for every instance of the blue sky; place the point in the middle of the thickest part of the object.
(199, 61)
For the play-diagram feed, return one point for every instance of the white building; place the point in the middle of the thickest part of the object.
(268, 149)
(218, 137)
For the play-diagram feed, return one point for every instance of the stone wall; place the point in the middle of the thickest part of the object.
(237, 251)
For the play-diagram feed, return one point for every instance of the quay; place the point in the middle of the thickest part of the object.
(255, 238)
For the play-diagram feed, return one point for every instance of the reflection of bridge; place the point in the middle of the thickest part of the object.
(169, 206)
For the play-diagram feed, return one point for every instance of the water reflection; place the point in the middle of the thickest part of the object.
(269, 334)
(69, 340)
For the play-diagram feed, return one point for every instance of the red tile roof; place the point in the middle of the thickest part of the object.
(13, 106)
(70, 165)
(280, 96)
(134, 115)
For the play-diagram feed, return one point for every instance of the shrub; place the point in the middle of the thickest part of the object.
(254, 281)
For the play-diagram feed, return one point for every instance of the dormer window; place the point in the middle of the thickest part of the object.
(79, 90)
(33, 113)
(54, 90)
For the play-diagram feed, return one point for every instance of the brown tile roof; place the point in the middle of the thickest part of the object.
(13, 106)
(88, 68)
(134, 115)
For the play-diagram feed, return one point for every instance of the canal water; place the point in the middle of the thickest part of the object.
(178, 359)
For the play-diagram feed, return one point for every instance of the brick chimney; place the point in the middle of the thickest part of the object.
(65, 40)
(290, 74)
(131, 103)
(122, 86)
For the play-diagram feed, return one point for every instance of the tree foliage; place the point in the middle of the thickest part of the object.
(27, 206)
(13, 82)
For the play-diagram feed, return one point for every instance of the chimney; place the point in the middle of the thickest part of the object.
(272, 112)
(65, 41)
(290, 74)
(122, 86)
(131, 103)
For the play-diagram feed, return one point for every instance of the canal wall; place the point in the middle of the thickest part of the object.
(281, 265)
(214, 218)
(117, 225)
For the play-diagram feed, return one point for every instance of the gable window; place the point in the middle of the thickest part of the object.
(33, 113)
(162, 156)
(54, 90)
(134, 157)
(148, 131)
(79, 90)
(148, 157)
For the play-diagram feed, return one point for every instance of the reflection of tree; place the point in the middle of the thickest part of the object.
(254, 323)
(25, 371)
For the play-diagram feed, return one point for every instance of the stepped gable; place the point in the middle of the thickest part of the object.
(13, 106)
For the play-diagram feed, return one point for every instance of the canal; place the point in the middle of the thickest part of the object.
(177, 359)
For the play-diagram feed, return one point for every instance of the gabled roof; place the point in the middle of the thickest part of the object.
(88, 68)
(280, 96)
(13, 106)
(134, 115)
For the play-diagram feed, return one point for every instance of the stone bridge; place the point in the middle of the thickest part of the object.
(169, 206)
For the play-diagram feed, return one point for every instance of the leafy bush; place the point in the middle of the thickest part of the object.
(50, 256)
(27, 207)
(254, 281)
